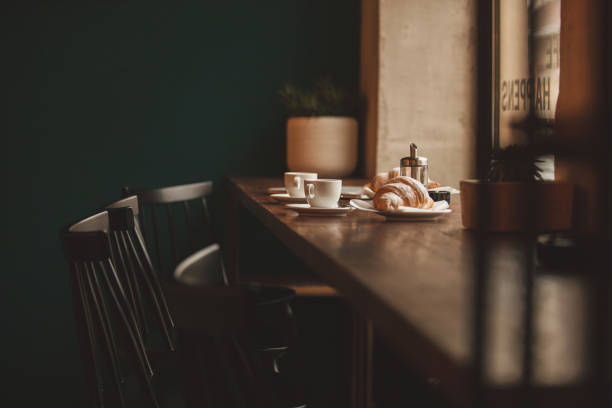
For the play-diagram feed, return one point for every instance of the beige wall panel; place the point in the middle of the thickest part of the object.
(427, 85)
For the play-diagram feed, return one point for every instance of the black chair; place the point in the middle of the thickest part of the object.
(110, 339)
(272, 330)
(140, 279)
(111, 331)
(216, 325)
(203, 268)
(186, 233)
(213, 318)
(275, 328)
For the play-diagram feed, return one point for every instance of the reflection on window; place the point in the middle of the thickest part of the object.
(517, 91)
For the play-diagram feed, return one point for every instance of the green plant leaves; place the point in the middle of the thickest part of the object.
(515, 163)
(324, 98)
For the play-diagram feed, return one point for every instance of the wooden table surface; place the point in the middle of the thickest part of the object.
(417, 282)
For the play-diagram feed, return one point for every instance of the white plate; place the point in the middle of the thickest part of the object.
(277, 190)
(286, 198)
(351, 196)
(367, 191)
(406, 213)
(306, 209)
(355, 190)
(348, 192)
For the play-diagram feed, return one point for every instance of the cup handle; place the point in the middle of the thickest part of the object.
(311, 191)
(296, 182)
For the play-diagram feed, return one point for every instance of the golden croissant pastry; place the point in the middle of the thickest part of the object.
(402, 191)
(383, 178)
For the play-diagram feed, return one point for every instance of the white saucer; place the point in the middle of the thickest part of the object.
(348, 192)
(306, 209)
(351, 196)
(406, 213)
(286, 198)
(276, 190)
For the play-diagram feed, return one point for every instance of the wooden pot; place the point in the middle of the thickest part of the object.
(326, 145)
(506, 206)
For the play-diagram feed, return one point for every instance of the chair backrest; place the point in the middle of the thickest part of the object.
(140, 279)
(204, 268)
(186, 233)
(108, 331)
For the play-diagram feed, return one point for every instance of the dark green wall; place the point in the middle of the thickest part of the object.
(144, 93)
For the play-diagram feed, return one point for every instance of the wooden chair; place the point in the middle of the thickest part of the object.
(186, 233)
(135, 268)
(107, 328)
(110, 330)
(205, 268)
(271, 326)
(214, 325)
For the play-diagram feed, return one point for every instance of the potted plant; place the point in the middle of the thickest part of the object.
(514, 198)
(321, 129)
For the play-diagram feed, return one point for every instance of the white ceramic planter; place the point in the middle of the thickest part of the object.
(322, 144)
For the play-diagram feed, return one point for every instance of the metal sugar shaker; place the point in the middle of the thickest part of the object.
(415, 166)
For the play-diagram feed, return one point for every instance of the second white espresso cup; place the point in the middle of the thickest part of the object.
(294, 182)
(323, 193)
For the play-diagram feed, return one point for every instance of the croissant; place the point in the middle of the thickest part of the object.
(383, 178)
(402, 191)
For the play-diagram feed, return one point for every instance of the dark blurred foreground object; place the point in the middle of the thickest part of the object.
(567, 252)
(559, 251)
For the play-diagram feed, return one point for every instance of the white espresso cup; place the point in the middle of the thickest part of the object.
(323, 193)
(294, 182)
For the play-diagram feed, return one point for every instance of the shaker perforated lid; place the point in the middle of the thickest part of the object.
(413, 160)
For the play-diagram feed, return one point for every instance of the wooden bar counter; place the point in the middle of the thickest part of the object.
(417, 281)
